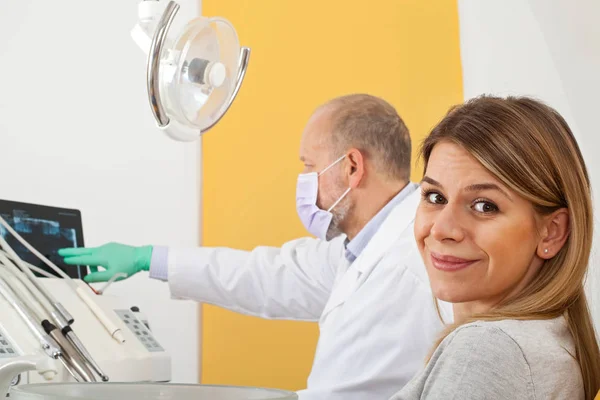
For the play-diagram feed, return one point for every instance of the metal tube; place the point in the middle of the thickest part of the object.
(153, 67)
(48, 344)
(86, 355)
(72, 357)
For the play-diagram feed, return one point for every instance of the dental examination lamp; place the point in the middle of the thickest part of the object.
(59, 337)
(192, 78)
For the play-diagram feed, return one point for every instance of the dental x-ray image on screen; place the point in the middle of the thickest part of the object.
(48, 229)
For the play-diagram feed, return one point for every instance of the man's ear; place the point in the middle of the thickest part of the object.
(355, 167)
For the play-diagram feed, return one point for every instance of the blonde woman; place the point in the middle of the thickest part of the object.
(505, 229)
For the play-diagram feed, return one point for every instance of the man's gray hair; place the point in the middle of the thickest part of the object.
(374, 127)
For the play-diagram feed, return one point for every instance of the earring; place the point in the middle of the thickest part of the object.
(545, 251)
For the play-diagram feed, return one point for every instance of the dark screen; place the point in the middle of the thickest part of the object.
(47, 229)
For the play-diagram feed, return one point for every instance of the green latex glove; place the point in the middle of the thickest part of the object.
(114, 257)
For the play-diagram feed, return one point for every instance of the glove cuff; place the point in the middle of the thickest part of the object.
(143, 258)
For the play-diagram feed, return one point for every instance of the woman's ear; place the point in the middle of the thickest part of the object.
(555, 231)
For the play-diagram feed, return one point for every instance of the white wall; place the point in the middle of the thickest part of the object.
(76, 131)
(548, 49)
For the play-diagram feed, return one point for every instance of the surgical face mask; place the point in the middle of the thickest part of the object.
(314, 219)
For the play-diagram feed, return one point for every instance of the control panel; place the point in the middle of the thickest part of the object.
(140, 330)
(7, 350)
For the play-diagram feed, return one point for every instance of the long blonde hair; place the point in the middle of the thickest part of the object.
(529, 147)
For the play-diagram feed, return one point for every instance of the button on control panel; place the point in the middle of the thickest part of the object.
(7, 350)
(141, 332)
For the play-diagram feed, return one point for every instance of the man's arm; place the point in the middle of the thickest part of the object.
(291, 282)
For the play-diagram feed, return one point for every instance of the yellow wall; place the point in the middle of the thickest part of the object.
(304, 53)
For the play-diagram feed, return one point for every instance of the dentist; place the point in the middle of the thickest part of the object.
(361, 278)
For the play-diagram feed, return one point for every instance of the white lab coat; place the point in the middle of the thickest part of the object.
(377, 317)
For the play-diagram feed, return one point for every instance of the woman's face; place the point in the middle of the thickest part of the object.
(479, 240)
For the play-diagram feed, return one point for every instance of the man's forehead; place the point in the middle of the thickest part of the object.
(317, 130)
(315, 137)
(313, 144)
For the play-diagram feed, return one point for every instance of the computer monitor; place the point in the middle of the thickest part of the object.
(47, 229)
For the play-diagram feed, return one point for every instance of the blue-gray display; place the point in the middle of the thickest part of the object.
(48, 229)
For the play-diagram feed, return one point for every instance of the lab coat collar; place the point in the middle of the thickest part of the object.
(392, 228)
(390, 231)
(356, 246)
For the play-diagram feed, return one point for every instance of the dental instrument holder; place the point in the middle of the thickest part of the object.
(191, 84)
(135, 360)
(140, 359)
(77, 360)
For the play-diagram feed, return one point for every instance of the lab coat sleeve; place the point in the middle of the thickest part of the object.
(159, 267)
(291, 282)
